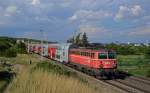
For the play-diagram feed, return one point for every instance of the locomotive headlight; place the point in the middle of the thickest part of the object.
(107, 62)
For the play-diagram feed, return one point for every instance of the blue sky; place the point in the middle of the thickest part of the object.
(102, 20)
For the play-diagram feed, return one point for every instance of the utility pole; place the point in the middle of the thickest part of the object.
(41, 45)
(45, 49)
(27, 36)
(28, 46)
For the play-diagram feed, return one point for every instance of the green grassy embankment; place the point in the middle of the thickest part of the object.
(45, 77)
(134, 64)
(10, 65)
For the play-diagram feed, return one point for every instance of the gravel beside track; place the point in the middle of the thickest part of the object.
(124, 87)
(140, 80)
(138, 86)
(145, 78)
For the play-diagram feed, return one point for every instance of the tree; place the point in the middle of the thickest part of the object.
(147, 53)
(21, 48)
(78, 40)
(148, 73)
(11, 52)
(85, 42)
(71, 40)
(4, 45)
(122, 49)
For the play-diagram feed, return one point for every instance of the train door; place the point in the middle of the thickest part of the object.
(65, 52)
(45, 50)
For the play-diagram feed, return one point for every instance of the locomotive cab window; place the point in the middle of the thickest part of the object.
(111, 55)
(102, 56)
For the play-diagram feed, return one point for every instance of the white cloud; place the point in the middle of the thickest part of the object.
(89, 14)
(121, 13)
(136, 10)
(94, 31)
(10, 10)
(6, 14)
(74, 17)
(35, 2)
(127, 12)
(42, 19)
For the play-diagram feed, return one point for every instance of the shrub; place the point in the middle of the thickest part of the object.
(10, 52)
(21, 48)
(50, 67)
(148, 73)
(147, 53)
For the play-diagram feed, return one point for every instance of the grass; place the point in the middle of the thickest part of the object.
(41, 81)
(2, 85)
(54, 68)
(51, 67)
(134, 64)
(5, 67)
(44, 77)
(23, 59)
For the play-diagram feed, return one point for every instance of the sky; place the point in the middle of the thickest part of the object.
(104, 21)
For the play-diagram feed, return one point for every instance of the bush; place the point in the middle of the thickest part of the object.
(10, 52)
(9, 47)
(147, 53)
(148, 73)
(50, 67)
(21, 48)
(3, 47)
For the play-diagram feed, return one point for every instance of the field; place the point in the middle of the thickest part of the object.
(23, 59)
(134, 64)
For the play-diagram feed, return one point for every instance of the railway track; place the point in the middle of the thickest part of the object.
(136, 87)
(124, 87)
(139, 79)
(143, 78)
(131, 84)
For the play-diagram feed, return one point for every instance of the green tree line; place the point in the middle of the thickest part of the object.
(129, 49)
(9, 47)
(81, 40)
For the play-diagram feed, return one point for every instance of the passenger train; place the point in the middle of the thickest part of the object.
(101, 63)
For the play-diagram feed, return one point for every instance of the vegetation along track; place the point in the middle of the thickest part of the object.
(129, 85)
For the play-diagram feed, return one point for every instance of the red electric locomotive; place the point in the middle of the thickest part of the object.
(101, 63)
(95, 62)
